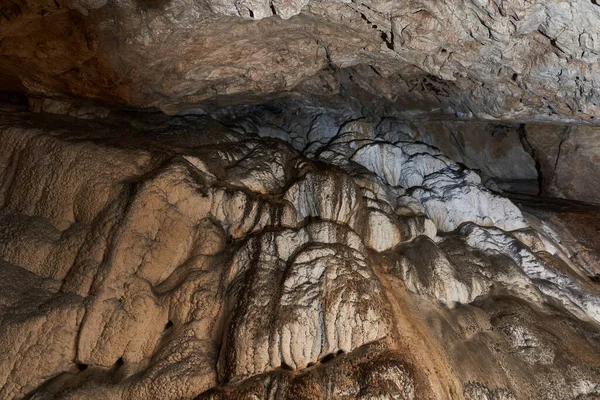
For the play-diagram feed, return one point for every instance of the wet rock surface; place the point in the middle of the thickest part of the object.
(223, 257)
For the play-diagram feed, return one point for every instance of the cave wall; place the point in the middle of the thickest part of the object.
(568, 160)
(476, 67)
(292, 199)
(153, 257)
(552, 160)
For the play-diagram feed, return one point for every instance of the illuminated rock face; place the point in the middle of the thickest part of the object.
(299, 199)
(194, 259)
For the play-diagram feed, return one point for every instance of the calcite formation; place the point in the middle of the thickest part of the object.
(194, 257)
(299, 199)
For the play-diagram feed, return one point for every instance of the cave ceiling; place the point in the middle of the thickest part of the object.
(528, 61)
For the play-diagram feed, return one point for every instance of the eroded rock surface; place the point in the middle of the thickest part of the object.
(184, 258)
(494, 60)
(568, 160)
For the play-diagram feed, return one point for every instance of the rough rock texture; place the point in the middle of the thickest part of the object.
(495, 150)
(551, 160)
(569, 160)
(473, 78)
(507, 60)
(152, 257)
(350, 199)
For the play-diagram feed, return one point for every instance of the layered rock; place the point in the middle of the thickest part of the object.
(191, 259)
(513, 60)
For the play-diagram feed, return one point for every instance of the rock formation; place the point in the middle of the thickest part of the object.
(299, 199)
(497, 60)
(203, 260)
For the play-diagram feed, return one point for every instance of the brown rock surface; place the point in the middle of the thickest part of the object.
(152, 257)
(495, 60)
(324, 218)
(569, 160)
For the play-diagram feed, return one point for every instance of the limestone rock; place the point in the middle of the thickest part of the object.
(523, 61)
(495, 150)
(297, 297)
(192, 258)
(571, 292)
(568, 158)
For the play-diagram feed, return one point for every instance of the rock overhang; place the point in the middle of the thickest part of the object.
(508, 61)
